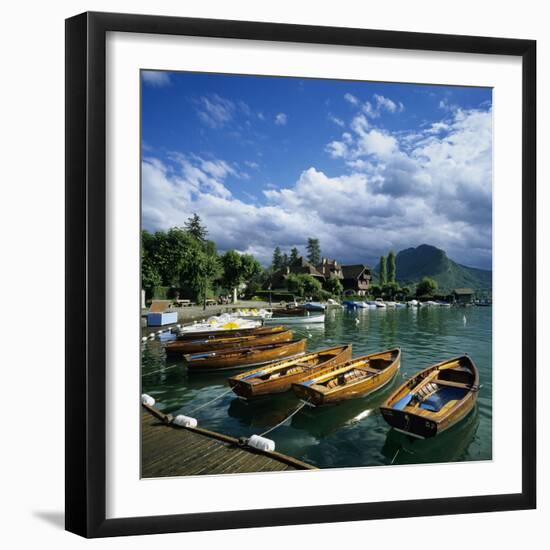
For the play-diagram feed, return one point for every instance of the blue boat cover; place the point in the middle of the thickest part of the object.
(200, 355)
(308, 382)
(437, 400)
(403, 402)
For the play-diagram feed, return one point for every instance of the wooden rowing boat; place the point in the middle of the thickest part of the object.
(434, 399)
(354, 378)
(232, 332)
(180, 347)
(235, 358)
(278, 377)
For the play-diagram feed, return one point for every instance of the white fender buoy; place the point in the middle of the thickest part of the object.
(147, 400)
(159, 331)
(261, 443)
(144, 339)
(152, 335)
(185, 421)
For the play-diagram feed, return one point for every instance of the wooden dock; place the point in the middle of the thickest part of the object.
(168, 451)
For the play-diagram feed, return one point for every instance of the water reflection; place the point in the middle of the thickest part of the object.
(450, 446)
(352, 433)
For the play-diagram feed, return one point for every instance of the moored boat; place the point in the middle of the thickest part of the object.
(207, 334)
(300, 319)
(354, 378)
(180, 347)
(242, 357)
(434, 399)
(314, 306)
(278, 377)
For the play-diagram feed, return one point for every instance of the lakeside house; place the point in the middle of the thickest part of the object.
(354, 278)
(330, 269)
(300, 267)
(463, 295)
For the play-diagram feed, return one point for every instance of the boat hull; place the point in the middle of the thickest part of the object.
(230, 359)
(306, 319)
(249, 386)
(230, 333)
(180, 347)
(415, 418)
(313, 390)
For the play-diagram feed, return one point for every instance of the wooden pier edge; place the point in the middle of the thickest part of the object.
(167, 419)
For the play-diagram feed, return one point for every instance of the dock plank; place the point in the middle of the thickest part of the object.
(170, 451)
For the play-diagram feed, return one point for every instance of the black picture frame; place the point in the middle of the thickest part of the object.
(86, 279)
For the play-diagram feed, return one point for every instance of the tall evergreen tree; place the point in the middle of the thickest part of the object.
(285, 261)
(277, 262)
(194, 227)
(313, 251)
(391, 267)
(382, 275)
(294, 256)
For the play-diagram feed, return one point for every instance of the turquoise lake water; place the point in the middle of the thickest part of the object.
(352, 433)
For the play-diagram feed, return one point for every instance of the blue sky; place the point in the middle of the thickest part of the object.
(363, 166)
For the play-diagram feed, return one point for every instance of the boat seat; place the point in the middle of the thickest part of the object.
(370, 370)
(452, 384)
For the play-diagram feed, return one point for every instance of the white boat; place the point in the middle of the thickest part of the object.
(302, 319)
(362, 305)
(413, 303)
(380, 304)
(400, 304)
(220, 322)
(390, 304)
(253, 314)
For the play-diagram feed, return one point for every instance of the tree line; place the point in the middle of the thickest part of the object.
(183, 258)
(282, 259)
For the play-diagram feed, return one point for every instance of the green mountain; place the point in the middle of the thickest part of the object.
(428, 261)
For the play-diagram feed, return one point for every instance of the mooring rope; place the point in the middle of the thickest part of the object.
(300, 407)
(211, 401)
(159, 370)
(395, 456)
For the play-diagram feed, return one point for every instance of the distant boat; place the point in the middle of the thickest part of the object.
(434, 399)
(307, 318)
(178, 348)
(413, 303)
(355, 378)
(379, 303)
(400, 304)
(279, 376)
(314, 306)
(242, 357)
(390, 304)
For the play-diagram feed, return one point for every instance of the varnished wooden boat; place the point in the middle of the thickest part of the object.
(181, 347)
(434, 399)
(278, 377)
(235, 358)
(354, 378)
(231, 333)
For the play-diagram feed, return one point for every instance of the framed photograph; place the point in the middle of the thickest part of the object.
(300, 273)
